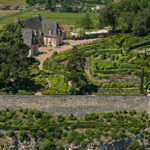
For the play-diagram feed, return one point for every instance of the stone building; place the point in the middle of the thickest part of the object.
(36, 32)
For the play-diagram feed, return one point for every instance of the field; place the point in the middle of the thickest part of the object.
(6, 12)
(61, 18)
(9, 2)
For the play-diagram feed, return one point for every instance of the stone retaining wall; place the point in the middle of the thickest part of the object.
(76, 105)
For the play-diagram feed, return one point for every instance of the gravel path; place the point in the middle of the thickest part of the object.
(48, 51)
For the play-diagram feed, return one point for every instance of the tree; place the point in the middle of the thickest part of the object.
(108, 16)
(66, 8)
(139, 25)
(75, 66)
(86, 22)
(126, 21)
(142, 81)
(13, 56)
(31, 2)
(51, 4)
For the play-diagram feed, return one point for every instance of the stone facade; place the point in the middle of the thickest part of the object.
(77, 105)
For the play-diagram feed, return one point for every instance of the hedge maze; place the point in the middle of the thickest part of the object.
(109, 60)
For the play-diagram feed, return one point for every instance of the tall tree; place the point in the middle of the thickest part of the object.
(142, 82)
(108, 16)
(87, 22)
(13, 55)
(126, 21)
(139, 25)
(77, 75)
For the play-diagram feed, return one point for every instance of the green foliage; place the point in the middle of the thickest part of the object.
(1, 135)
(97, 126)
(10, 133)
(92, 116)
(86, 22)
(40, 133)
(12, 44)
(134, 145)
(46, 145)
(61, 147)
(72, 117)
(75, 67)
(129, 16)
(61, 118)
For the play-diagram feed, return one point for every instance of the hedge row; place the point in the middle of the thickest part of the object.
(103, 51)
(115, 71)
(119, 90)
(145, 43)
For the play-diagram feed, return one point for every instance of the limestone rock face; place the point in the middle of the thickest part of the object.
(113, 145)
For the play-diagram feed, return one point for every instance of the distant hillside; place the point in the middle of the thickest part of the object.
(19, 2)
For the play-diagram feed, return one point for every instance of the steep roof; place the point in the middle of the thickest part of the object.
(32, 23)
(27, 35)
(50, 28)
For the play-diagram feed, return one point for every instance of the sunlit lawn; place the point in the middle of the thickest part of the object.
(6, 12)
(9, 2)
(61, 18)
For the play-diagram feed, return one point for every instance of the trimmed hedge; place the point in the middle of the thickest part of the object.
(145, 43)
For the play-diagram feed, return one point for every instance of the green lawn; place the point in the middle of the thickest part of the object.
(62, 18)
(9, 2)
(6, 12)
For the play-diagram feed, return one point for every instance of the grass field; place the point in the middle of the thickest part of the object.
(6, 12)
(61, 18)
(9, 2)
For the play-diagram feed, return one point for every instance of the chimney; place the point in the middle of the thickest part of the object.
(39, 16)
(17, 20)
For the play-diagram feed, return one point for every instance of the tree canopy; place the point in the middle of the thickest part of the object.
(75, 66)
(13, 56)
(128, 16)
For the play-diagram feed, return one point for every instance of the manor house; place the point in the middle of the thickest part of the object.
(36, 31)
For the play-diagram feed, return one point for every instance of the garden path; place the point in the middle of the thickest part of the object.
(38, 94)
(46, 52)
(49, 84)
(148, 92)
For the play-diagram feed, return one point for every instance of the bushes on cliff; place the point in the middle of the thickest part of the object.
(37, 114)
(47, 145)
(72, 117)
(134, 145)
(1, 135)
(10, 133)
(40, 133)
(75, 137)
(61, 118)
(92, 116)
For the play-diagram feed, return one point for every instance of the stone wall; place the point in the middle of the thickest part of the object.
(76, 105)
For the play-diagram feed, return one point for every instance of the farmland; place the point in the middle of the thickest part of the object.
(6, 12)
(9, 2)
(61, 18)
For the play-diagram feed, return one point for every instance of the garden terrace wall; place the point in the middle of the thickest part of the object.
(76, 105)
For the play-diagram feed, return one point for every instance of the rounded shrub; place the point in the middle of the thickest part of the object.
(46, 145)
(61, 147)
(10, 133)
(1, 135)
(40, 133)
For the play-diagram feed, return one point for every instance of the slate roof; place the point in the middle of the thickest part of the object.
(32, 23)
(27, 35)
(51, 28)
